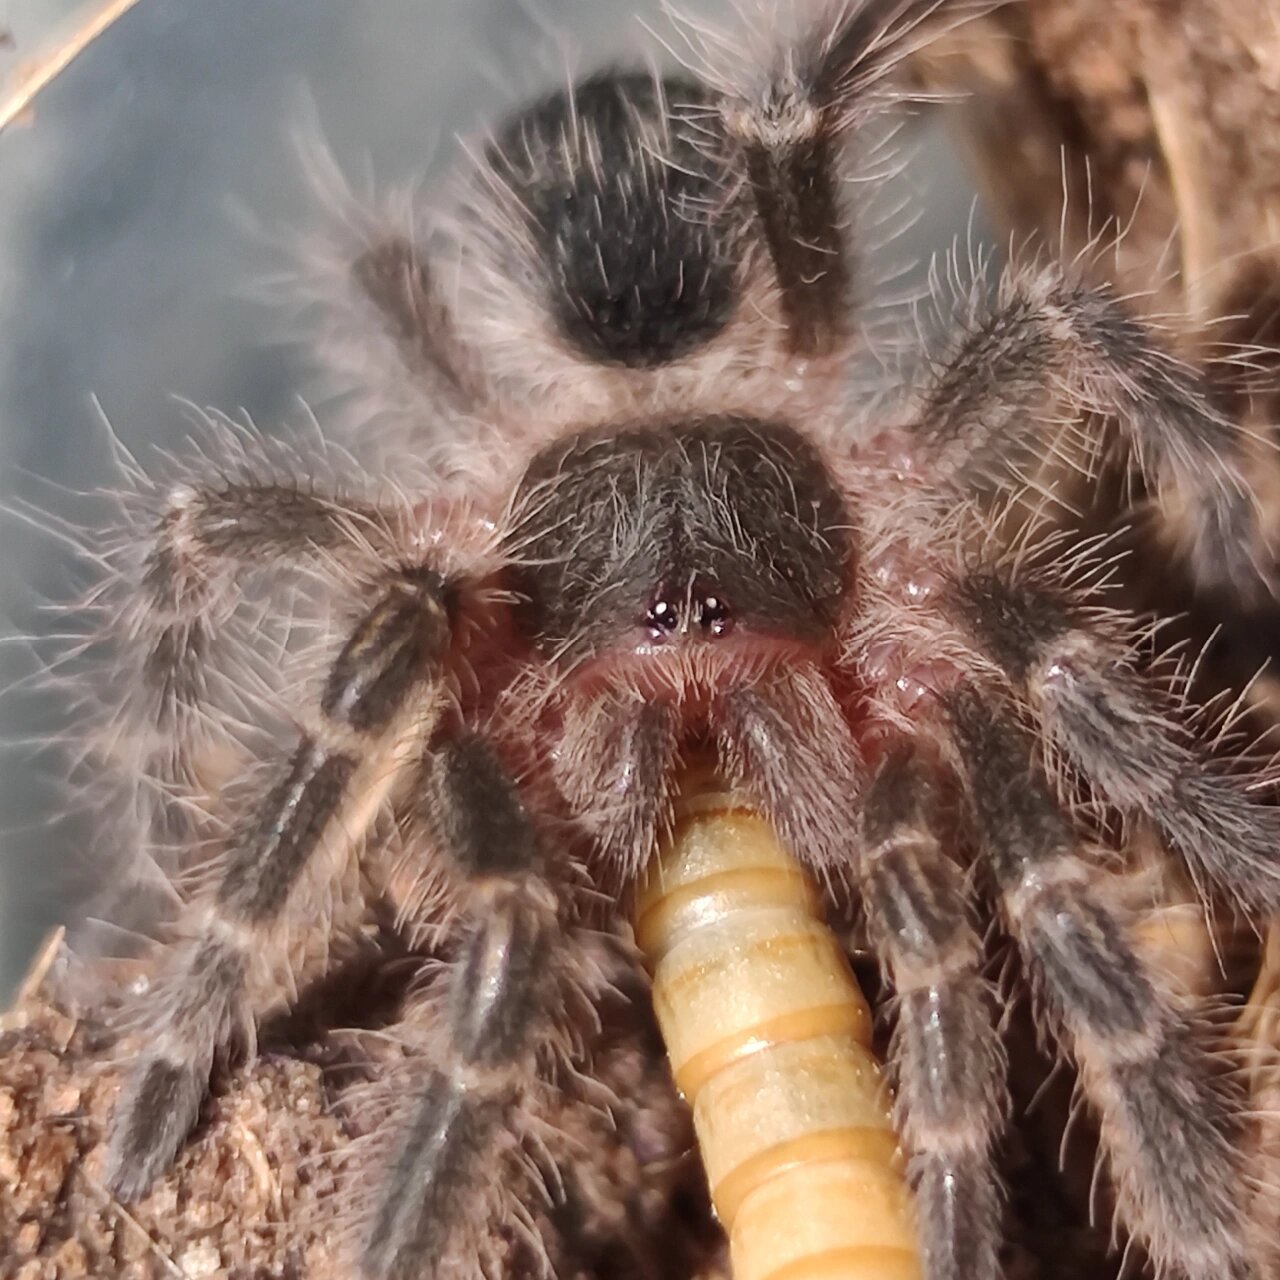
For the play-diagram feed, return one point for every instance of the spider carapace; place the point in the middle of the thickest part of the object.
(655, 532)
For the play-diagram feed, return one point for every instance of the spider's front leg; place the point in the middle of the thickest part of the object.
(1171, 1130)
(382, 695)
(180, 634)
(790, 132)
(509, 1000)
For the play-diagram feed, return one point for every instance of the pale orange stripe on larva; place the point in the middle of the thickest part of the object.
(768, 1036)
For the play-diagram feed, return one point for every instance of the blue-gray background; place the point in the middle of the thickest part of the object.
(125, 273)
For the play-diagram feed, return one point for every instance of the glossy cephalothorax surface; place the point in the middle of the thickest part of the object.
(654, 533)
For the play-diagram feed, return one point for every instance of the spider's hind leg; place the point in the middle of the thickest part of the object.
(790, 132)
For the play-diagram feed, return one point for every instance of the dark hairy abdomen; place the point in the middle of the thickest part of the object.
(629, 214)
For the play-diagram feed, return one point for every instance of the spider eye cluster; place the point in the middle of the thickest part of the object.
(663, 615)
(702, 609)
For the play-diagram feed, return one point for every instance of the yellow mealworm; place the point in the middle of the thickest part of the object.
(769, 1040)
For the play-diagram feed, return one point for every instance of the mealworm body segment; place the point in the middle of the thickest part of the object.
(769, 1036)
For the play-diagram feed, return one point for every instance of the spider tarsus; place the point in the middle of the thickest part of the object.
(196, 1003)
(154, 1115)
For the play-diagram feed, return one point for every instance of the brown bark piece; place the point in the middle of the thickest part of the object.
(1162, 116)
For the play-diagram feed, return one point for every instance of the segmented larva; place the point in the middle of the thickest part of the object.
(769, 1040)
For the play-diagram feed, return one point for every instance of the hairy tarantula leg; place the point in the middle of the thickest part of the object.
(1108, 721)
(1046, 338)
(375, 707)
(784, 744)
(394, 277)
(1168, 1126)
(790, 134)
(502, 1010)
(946, 1054)
(203, 537)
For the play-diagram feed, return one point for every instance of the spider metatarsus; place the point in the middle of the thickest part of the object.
(680, 547)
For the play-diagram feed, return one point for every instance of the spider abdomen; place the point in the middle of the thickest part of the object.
(618, 150)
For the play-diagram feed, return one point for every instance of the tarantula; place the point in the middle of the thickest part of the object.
(677, 546)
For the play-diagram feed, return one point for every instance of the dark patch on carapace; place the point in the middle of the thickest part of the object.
(630, 213)
(729, 517)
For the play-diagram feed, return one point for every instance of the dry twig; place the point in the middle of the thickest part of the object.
(32, 77)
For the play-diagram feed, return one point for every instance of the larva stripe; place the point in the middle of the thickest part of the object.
(799, 1024)
(876, 1147)
(682, 906)
(868, 1263)
(768, 1037)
